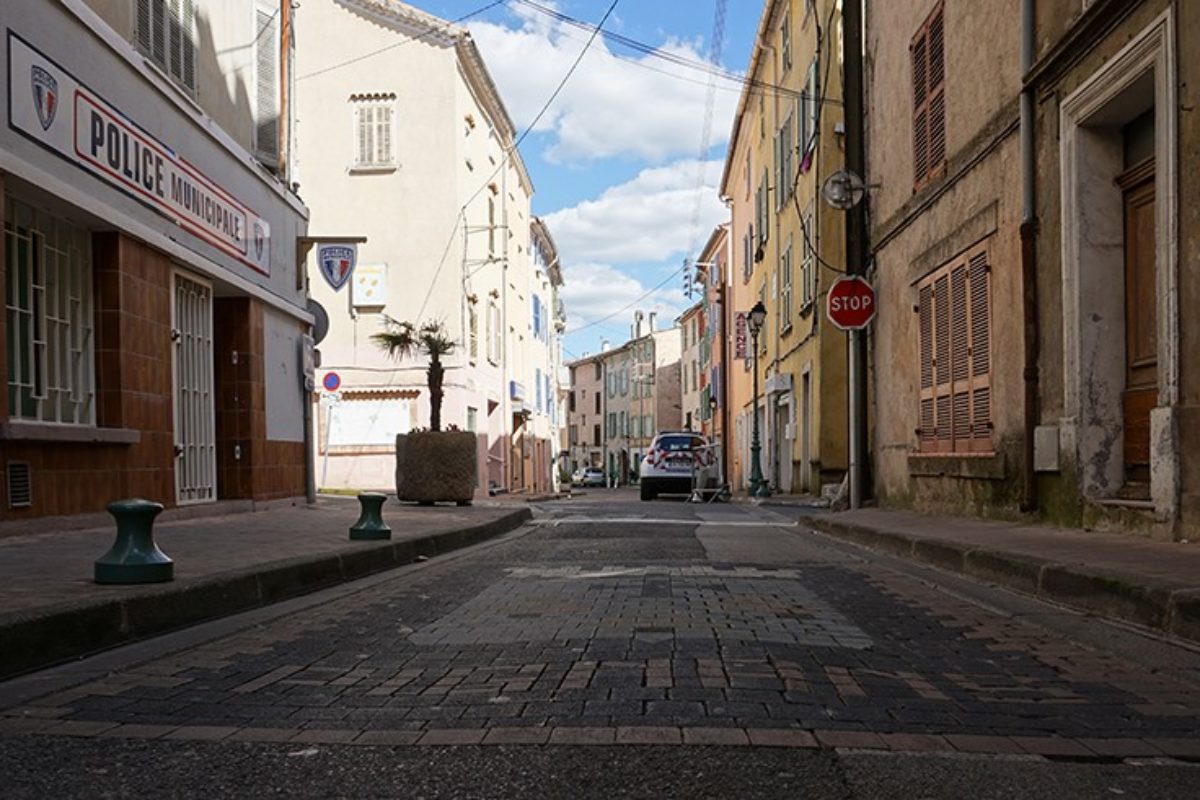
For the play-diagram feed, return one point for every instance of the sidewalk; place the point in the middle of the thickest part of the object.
(1149, 583)
(51, 610)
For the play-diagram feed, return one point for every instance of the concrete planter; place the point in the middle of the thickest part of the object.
(436, 466)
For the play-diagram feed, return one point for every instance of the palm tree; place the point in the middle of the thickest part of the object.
(403, 339)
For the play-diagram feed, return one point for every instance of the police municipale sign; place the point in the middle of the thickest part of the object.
(850, 303)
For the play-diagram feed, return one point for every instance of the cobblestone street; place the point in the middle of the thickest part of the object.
(609, 622)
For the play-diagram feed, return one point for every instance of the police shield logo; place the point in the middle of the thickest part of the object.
(45, 96)
(260, 237)
(337, 264)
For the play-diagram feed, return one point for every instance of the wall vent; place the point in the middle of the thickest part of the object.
(20, 484)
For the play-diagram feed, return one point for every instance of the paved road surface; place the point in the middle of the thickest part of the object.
(617, 648)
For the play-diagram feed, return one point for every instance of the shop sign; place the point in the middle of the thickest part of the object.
(55, 109)
(739, 336)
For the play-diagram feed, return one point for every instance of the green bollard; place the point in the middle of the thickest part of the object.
(370, 521)
(134, 557)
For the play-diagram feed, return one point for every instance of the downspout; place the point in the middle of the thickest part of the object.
(1029, 231)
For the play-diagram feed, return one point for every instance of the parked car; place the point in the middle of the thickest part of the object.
(592, 476)
(667, 467)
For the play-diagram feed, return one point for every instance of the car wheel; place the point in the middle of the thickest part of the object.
(647, 491)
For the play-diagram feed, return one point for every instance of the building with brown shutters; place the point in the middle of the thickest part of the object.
(152, 341)
(1031, 354)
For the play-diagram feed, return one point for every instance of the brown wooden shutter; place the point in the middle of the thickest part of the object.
(927, 52)
(943, 383)
(925, 433)
(981, 351)
(920, 109)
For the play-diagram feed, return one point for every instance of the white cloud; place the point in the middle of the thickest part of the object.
(649, 218)
(593, 291)
(611, 106)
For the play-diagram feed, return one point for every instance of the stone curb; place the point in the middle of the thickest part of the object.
(1048, 747)
(1166, 607)
(36, 638)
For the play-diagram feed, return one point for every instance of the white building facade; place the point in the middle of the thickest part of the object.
(412, 148)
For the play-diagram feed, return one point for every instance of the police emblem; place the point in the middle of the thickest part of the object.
(45, 95)
(260, 238)
(337, 263)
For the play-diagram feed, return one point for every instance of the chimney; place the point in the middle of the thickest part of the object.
(653, 314)
(603, 345)
(638, 316)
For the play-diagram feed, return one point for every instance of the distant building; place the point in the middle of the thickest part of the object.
(585, 413)
(692, 330)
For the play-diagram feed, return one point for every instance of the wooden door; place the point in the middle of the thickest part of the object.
(1141, 339)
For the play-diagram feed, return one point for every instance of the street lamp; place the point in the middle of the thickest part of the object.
(758, 486)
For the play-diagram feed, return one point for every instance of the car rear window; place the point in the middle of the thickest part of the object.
(673, 444)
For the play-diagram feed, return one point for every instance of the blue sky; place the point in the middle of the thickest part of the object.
(616, 160)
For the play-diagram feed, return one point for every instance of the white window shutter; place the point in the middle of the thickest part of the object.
(267, 82)
(145, 29)
(187, 67)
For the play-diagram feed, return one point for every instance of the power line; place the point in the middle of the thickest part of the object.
(674, 58)
(504, 161)
(623, 309)
(443, 28)
(710, 97)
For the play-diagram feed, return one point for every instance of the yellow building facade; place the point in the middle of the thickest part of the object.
(788, 248)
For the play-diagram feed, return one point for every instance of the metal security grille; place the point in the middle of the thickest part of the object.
(195, 447)
(48, 312)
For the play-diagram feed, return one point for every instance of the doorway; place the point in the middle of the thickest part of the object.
(195, 408)
(1141, 340)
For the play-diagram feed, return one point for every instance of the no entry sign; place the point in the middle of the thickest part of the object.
(850, 303)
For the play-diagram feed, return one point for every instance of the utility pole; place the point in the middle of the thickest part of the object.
(857, 252)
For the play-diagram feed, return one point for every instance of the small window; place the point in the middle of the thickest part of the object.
(785, 42)
(166, 34)
(472, 419)
(374, 121)
(473, 333)
(808, 274)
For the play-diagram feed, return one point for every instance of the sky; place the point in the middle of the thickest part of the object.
(617, 163)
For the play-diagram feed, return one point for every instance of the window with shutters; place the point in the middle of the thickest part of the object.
(785, 174)
(266, 80)
(374, 123)
(808, 274)
(954, 331)
(785, 42)
(785, 289)
(473, 333)
(166, 34)
(494, 346)
(929, 99)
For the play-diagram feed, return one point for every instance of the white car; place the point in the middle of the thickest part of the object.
(667, 467)
(592, 476)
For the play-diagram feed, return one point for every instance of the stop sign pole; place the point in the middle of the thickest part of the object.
(850, 306)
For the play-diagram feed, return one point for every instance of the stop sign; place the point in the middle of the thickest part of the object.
(850, 303)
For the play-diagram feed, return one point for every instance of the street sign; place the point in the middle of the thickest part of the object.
(850, 303)
(332, 381)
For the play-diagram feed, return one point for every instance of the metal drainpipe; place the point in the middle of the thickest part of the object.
(1029, 231)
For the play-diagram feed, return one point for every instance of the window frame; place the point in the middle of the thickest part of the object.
(785, 289)
(61, 346)
(928, 95)
(374, 101)
(144, 40)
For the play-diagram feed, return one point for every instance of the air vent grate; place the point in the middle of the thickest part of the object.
(20, 484)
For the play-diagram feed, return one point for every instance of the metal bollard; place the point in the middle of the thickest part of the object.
(134, 557)
(370, 522)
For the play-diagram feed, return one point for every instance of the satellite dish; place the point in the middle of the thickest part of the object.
(320, 320)
(843, 190)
